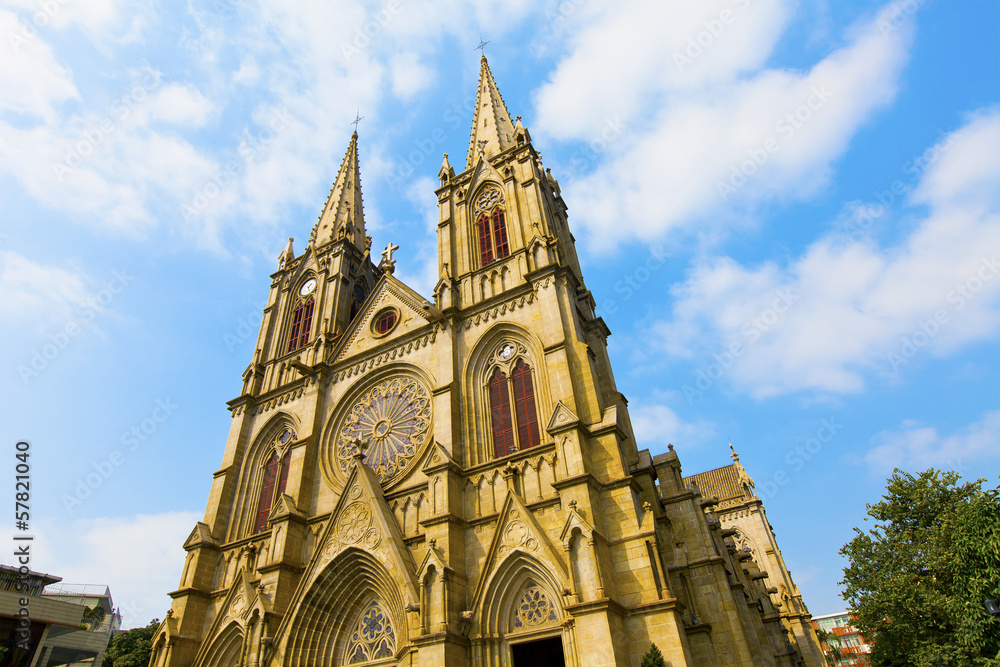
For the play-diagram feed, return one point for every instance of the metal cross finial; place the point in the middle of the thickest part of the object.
(482, 45)
(356, 120)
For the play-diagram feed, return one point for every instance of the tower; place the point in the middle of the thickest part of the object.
(453, 482)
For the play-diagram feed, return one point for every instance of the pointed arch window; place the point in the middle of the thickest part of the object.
(302, 318)
(514, 423)
(373, 637)
(491, 226)
(272, 486)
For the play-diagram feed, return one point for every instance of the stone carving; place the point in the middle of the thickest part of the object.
(392, 418)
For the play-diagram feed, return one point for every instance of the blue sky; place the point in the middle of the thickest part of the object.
(788, 212)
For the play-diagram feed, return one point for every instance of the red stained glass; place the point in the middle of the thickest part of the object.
(293, 339)
(500, 233)
(266, 493)
(485, 242)
(385, 322)
(306, 322)
(503, 429)
(524, 405)
(283, 479)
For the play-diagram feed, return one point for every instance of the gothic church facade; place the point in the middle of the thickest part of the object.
(454, 481)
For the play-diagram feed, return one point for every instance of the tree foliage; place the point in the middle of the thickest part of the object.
(918, 577)
(653, 658)
(131, 648)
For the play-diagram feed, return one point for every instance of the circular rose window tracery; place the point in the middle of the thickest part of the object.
(391, 419)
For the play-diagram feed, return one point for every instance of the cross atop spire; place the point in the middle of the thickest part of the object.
(482, 45)
(491, 125)
(357, 120)
(343, 216)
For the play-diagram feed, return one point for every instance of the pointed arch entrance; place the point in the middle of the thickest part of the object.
(522, 608)
(352, 614)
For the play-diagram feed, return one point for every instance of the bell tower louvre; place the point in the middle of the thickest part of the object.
(456, 481)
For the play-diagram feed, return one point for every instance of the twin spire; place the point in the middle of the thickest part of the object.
(492, 129)
(343, 215)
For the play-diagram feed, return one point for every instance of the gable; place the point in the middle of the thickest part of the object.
(518, 531)
(413, 312)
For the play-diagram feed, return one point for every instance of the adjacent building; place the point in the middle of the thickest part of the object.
(44, 623)
(842, 643)
(454, 480)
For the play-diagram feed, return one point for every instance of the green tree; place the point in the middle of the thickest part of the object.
(917, 579)
(653, 658)
(131, 648)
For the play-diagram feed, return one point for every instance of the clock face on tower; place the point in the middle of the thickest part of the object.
(391, 420)
(308, 287)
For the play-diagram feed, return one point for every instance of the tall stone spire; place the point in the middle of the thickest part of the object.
(343, 216)
(492, 129)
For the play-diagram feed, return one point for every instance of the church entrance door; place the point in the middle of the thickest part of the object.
(541, 653)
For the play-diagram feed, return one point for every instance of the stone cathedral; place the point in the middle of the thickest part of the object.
(455, 481)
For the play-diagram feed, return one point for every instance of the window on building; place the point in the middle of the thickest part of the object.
(491, 225)
(301, 324)
(272, 486)
(514, 423)
(385, 321)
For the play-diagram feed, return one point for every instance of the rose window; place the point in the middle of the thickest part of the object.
(534, 608)
(391, 422)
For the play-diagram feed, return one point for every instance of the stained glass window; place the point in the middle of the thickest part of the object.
(373, 637)
(491, 226)
(534, 608)
(504, 415)
(266, 493)
(392, 418)
(500, 233)
(385, 322)
(485, 241)
(524, 404)
(301, 324)
(503, 430)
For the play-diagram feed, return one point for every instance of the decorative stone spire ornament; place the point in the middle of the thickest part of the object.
(388, 264)
(287, 255)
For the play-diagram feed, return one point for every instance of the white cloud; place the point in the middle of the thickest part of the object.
(409, 75)
(140, 558)
(37, 294)
(656, 426)
(848, 307)
(915, 447)
(34, 83)
(181, 104)
(669, 141)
